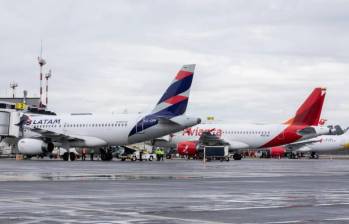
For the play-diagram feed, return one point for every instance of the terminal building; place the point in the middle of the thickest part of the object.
(29, 104)
(10, 103)
(9, 108)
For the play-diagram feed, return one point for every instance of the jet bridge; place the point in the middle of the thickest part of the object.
(8, 120)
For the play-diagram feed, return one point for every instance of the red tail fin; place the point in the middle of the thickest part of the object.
(310, 111)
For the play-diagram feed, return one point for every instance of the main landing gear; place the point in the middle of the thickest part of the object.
(313, 155)
(69, 155)
(106, 154)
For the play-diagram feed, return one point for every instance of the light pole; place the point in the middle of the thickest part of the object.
(47, 76)
(13, 86)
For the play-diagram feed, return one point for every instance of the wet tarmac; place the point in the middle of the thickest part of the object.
(177, 191)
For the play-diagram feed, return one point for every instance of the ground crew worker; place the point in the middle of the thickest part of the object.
(83, 154)
(157, 153)
(92, 152)
(141, 155)
(162, 154)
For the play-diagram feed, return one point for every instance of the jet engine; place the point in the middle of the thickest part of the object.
(187, 148)
(30, 146)
(277, 151)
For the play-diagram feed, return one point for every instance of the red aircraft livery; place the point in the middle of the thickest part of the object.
(303, 125)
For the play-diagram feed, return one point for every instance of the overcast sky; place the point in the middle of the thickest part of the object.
(256, 60)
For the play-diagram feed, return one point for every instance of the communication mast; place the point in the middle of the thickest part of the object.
(47, 76)
(13, 86)
(41, 62)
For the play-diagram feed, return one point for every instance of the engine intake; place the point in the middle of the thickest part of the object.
(29, 146)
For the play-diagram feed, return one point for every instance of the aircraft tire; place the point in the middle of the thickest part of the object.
(106, 155)
(72, 156)
(65, 156)
(237, 156)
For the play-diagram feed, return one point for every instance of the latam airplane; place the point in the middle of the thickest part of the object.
(42, 133)
(254, 136)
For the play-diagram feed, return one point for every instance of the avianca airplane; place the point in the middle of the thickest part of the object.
(42, 133)
(254, 136)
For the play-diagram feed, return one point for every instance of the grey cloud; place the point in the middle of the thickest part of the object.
(256, 60)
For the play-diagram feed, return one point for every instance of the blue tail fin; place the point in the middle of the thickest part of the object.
(174, 101)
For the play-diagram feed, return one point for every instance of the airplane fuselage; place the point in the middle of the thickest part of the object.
(245, 136)
(327, 144)
(99, 130)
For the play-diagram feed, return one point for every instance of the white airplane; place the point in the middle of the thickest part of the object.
(321, 144)
(42, 133)
(254, 136)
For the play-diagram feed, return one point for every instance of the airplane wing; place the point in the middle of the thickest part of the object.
(207, 138)
(88, 141)
(313, 131)
(55, 136)
(307, 131)
(298, 145)
(128, 150)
